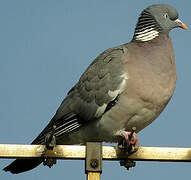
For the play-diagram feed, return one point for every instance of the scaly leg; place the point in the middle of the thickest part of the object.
(130, 138)
(130, 144)
(50, 143)
(130, 141)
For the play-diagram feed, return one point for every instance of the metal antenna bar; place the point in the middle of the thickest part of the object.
(173, 154)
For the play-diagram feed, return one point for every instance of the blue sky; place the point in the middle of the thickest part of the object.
(46, 46)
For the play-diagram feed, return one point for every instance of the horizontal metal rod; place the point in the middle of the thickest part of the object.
(173, 154)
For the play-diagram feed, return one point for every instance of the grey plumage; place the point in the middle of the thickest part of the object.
(123, 87)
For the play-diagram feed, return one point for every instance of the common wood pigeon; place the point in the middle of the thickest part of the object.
(125, 86)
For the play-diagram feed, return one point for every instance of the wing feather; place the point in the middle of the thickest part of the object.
(92, 96)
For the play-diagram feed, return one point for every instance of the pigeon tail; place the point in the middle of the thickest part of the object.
(22, 165)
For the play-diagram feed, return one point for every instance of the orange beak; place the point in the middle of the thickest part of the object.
(181, 24)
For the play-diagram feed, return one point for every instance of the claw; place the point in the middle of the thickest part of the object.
(50, 139)
(127, 163)
(49, 162)
(130, 144)
(130, 141)
(50, 143)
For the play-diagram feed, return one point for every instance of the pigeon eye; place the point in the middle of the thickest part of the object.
(165, 15)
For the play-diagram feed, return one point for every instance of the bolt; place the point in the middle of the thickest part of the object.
(94, 163)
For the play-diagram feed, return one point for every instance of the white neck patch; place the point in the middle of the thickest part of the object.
(146, 34)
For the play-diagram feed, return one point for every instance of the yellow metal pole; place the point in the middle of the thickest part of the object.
(93, 161)
(93, 176)
(173, 154)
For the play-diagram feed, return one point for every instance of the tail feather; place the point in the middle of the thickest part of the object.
(69, 122)
(22, 165)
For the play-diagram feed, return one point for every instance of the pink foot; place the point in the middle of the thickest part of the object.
(130, 138)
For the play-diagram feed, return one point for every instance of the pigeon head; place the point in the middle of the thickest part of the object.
(155, 19)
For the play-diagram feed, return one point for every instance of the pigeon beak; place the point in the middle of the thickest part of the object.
(181, 24)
